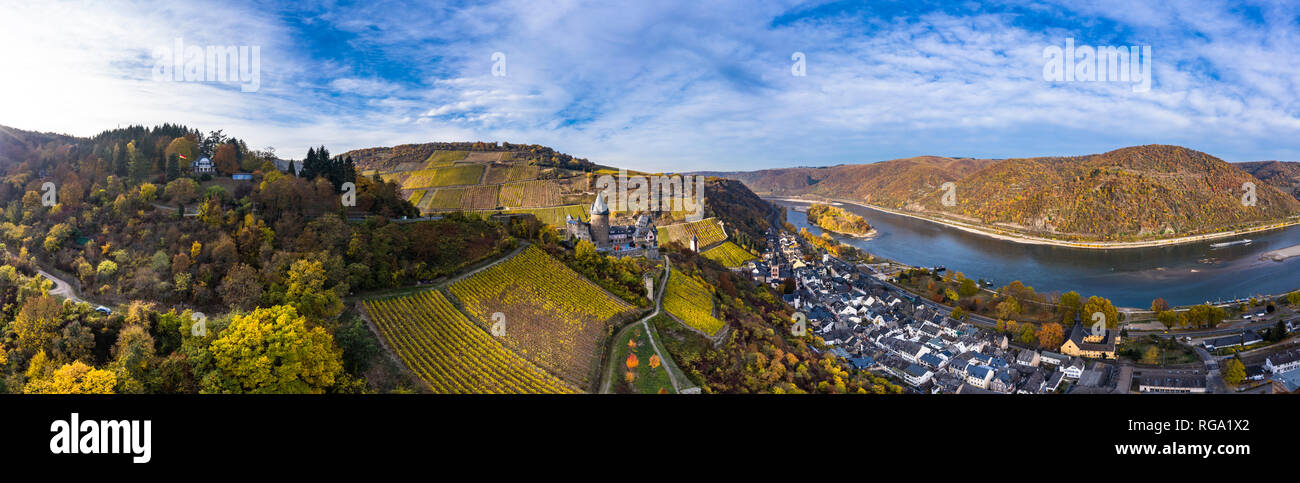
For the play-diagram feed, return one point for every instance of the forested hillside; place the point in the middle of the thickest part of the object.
(1136, 193)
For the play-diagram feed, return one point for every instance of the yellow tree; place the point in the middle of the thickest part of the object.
(271, 350)
(37, 323)
(74, 378)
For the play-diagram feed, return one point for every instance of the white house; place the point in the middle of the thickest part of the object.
(1283, 361)
(203, 165)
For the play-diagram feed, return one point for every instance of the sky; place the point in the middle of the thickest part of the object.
(667, 85)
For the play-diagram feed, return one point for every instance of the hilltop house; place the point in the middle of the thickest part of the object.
(619, 240)
(203, 166)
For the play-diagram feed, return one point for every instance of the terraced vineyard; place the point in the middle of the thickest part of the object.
(729, 254)
(516, 172)
(531, 194)
(555, 215)
(555, 318)
(464, 174)
(415, 197)
(708, 231)
(444, 158)
(468, 198)
(450, 353)
(691, 302)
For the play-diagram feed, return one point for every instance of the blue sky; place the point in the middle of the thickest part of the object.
(672, 86)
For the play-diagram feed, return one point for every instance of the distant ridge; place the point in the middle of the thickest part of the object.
(1133, 193)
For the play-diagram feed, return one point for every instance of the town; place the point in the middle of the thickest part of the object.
(879, 327)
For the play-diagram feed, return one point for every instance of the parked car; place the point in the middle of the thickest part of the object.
(104, 310)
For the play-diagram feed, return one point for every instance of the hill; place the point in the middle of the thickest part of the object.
(1283, 175)
(1131, 194)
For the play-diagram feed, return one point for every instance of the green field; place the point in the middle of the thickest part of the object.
(645, 379)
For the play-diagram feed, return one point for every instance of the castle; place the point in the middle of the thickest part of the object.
(618, 240)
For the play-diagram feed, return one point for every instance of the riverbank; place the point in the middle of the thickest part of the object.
(1033, 240)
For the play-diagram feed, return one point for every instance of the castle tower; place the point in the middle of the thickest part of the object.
(600, 221)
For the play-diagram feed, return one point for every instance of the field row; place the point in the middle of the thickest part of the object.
(462, 174)
(729, 254)
(440, 345)
(708, 231)
(530, 194)
(692, 303)
(555, 318)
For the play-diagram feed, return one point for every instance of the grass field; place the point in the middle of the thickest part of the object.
(692, 302)
(555, 318)
(708, 231)
(648, 376)
(444, 158)
(466, 174)
(530, 194)
(441, 346)
(729, 254)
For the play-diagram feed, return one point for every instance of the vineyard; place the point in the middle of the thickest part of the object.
(555, 318)
(708, 231)
(450, 353)
(516, 172)
(444, 158)
(728, 254)
(555, 215)
(469, 198)
(465, 174)
(691, 301)
(415, 197)
(530, 194)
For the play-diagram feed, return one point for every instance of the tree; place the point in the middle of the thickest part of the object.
(241, 288)
(1100, 305)
(968, 288)
(1152, 355)
(173, 167)
(226, 159)
(1028, 334)
(1234, 372)
(37, 323)
(958, 313)
(1159, 305)
(134, 355)
(307, 293)
(1008, 308)
(1051, 336)
(271, 350)
(1171, 319)
(1293, 298)
(74, 378)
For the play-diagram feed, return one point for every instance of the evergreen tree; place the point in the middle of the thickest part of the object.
(173, 167)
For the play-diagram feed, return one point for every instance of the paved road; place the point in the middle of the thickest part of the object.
(61, 287)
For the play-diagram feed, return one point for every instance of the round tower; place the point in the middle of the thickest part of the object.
(600, 221)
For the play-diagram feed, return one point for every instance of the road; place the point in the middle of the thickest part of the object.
(61, 287)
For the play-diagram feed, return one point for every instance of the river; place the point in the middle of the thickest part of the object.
(1182, 274)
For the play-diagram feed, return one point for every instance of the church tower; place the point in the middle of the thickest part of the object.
(600, 222)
